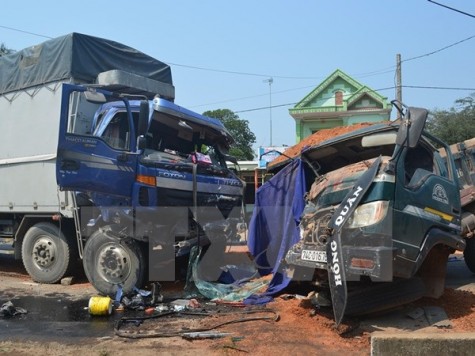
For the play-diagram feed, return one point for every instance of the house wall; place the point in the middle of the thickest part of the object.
(318, 109)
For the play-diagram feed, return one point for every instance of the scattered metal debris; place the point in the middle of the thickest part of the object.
(204, 335)
(436, 316)
(416, 313)
(9, 310)
(241, 316)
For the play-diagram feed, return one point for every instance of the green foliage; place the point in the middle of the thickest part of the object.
(5, 50)
(244, 138)
(456, 124)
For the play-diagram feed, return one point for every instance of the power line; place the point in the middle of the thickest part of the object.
(382, 71)
(368, 74)
(238, 73)
(22, 31)
(374, 90)
(451, 8)
(254, 96)
(264, 107)
(362, 75)
(438, 50)
(437, 88)
(377, 72)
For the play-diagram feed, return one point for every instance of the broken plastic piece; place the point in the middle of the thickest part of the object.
(157, 296)
(161, 308)
(193, 304)
(204, 335)
(149, 310)
(180, 304)
(118, 295)
(8, 309)
(219, 291)
(142, 292)
(135, 303)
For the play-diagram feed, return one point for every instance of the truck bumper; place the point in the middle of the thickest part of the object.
(375, 262)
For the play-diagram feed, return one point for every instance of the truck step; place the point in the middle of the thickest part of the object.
(6, 228)
(6, 245)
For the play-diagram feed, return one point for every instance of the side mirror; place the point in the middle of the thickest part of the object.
(141, 143)
(411, 127)
(93, 96)
(143, 118)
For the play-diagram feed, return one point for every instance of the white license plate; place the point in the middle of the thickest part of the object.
(314, 256)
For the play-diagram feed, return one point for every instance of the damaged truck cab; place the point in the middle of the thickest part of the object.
(141, 179)
(150, 181)
(384, 207)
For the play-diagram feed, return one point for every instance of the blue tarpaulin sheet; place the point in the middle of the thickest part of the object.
(274, 224)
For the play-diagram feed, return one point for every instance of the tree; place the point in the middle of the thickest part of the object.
(456, 124)
(244, 138)
(4, 50)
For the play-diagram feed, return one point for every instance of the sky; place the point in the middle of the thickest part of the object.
(223, 53)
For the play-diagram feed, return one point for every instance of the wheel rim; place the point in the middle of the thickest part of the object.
(113, 263)
(44, 252)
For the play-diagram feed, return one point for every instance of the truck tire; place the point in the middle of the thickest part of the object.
(469, 254)
(45, 253)
(109, 263)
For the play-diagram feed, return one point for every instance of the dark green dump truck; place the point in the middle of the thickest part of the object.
(388, 204)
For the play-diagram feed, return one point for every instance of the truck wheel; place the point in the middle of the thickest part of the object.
(469, 254)
(45, 253)
(110, 263)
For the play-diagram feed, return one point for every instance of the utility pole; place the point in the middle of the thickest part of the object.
(398, 85)
(270, 81)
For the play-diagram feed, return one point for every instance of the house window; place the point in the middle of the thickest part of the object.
(338, 98)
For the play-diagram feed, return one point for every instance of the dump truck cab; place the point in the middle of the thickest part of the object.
(384, 206)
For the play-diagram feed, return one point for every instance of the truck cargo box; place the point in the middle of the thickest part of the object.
(30, 100)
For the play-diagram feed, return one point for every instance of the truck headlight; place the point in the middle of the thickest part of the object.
(368, 214)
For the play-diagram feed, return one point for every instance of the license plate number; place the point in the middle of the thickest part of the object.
(314, 256)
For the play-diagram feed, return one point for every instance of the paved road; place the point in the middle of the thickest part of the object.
(458, 274)
(61, 311)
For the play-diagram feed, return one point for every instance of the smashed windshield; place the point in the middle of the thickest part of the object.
(170, 140)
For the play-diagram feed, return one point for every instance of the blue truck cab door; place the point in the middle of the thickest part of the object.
(96, 145)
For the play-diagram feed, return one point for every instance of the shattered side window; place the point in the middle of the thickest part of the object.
(213, 155)
(80, 113)
(117, 132)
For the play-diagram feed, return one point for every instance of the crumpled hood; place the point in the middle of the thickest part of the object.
(331, 188)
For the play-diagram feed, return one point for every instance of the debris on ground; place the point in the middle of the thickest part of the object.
(183, 304)
(67, 281)
(204, 335)
(237, 291)
(436, 316)
(190, 324)
(415, 313)
(99, 305)
(8, 310)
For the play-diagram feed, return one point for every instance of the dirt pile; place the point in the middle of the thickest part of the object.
(315, 139)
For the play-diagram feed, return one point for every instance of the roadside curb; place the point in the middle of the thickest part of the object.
(413, 343)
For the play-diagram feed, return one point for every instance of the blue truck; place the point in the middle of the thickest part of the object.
(99, 166)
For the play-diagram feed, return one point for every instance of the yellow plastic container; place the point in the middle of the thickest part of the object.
(100, 305)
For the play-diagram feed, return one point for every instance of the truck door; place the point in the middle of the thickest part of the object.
(95, 159)
(425, 197)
